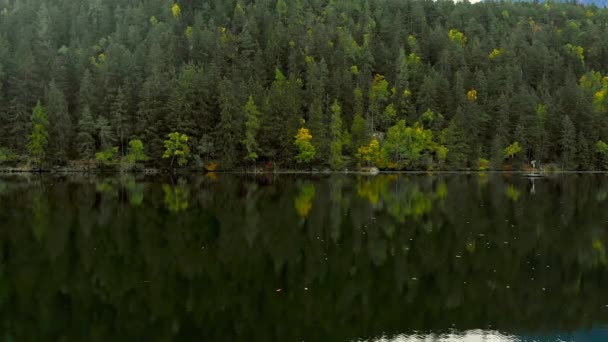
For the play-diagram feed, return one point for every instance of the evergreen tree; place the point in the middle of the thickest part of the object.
(455, 139)
(252, 126)
(85, 140)
(337, 140)
(567, 143)
(60, 130)
(105, 133)
(120, 119)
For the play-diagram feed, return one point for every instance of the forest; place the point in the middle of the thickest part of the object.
(303, 84)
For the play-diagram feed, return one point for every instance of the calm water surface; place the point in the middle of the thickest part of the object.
(290, 258)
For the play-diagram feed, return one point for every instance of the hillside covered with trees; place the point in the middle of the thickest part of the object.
(238, 84)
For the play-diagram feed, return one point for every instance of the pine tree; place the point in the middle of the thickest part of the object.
(85, 140)
(60, 130)
(567, 143)
(252, 126)
(358, 132)
(317, 117)
(455, 139)
(336, 159)
(86, 94)
(120, 119)
(105, 133)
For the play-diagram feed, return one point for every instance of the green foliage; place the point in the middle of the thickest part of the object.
(336, 159)
(455, 139)
(281, 8)
(60, 125)
(177, 147)
(602, 148)
(568, 144)
(252, 126)
(107, 157)
(457, 37)
(306, 151)
(39, 138)
(379, 90)
(136, 153)
(105, 133)
(577, 51)
(512, 150)
(6, 155)
(371, 154)
(483, 164)
(86, 133)
(405, 145)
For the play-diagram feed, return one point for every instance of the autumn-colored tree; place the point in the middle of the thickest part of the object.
(306, 151)
(512, 150)
(176, 10)
(371, 154)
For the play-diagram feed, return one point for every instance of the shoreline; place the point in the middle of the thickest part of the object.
(155, 171)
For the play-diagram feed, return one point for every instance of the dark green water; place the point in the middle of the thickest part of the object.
(292, 258)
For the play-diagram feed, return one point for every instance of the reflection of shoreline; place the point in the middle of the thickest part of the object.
(592, 335)
(466, 336)
(353, 257)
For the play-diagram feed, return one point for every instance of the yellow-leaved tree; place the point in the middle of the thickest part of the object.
(176, 10)
(371, 154)
(472, 95)
(306, 151)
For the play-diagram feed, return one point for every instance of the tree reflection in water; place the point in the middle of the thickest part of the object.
(134, 258)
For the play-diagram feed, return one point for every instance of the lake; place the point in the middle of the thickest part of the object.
(219, 257)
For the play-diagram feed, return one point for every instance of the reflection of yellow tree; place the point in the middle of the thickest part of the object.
(176, 197)
(482, 179)
(212, 176)
(372, 188)
(136, 191)
(513, 193)
(303, 201)
(442, 191)
(598, 246)
(107, 187)
(409, 202)
(403, 200)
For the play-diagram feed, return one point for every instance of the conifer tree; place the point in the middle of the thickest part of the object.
(85, 140)
(39, 137)
(567, 143)
(337, 140)
(60, 130)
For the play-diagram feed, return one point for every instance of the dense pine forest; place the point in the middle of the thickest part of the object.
(301, 84)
